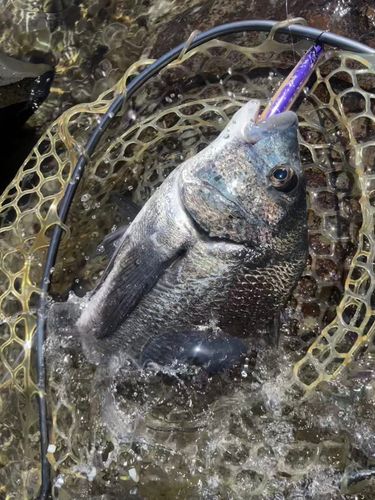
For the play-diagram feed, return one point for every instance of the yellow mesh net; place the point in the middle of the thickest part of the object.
(172, 117)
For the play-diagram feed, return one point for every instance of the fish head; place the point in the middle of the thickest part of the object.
(248, 185)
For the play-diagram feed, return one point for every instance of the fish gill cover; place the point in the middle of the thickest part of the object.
(187, 445)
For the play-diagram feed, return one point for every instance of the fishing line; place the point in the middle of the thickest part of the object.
(287, 17)
(136, 83)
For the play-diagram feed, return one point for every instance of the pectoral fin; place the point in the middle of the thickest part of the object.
(128, 211)
(112, 241)
(153, 242)
(130, 280)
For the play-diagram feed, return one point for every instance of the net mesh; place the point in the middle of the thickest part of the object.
(175, 115)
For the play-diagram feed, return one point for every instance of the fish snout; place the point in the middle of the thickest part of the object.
(281, 121)
(286, 122)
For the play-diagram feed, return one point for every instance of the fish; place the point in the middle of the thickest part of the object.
(216, 251)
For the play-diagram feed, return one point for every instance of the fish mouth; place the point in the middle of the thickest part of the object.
(244, 117)
(281, 122)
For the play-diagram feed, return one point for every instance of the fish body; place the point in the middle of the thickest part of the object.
(217, 248)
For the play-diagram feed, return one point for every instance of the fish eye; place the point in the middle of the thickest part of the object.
(283, 178)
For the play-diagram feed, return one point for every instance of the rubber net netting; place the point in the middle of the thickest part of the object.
(178, 443)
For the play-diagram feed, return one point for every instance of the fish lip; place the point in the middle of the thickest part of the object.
(280, 122)
(247, 113)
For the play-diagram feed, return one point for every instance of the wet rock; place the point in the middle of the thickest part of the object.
(23, 87)
(352, 18)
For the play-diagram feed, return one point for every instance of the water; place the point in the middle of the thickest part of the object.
(222, 437)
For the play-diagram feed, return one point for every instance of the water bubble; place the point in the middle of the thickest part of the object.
(85, 197)
(133, 474)
(59, 481)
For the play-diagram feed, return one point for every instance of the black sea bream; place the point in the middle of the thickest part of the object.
(215, 251)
